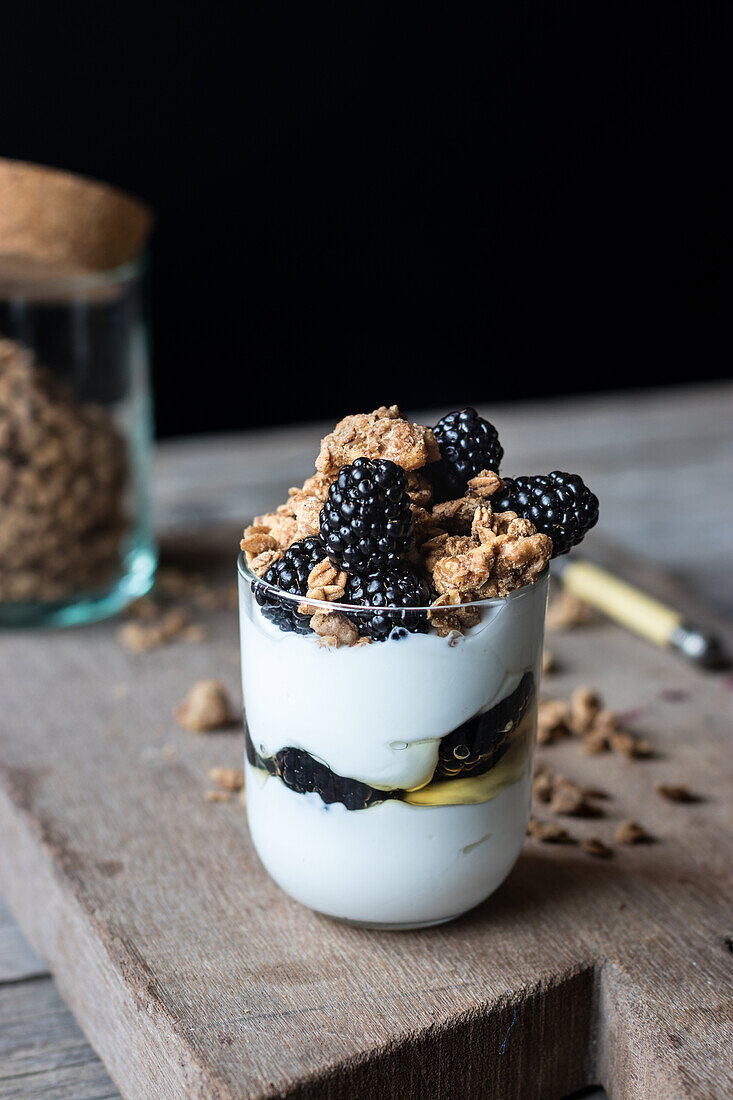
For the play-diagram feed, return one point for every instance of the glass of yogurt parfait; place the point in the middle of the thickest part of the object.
(392, 617)
(389, 784)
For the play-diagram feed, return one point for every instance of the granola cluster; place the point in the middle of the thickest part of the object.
(463, 548)
(584, 716)
(381, 434)
(206, 707)
(62, 480)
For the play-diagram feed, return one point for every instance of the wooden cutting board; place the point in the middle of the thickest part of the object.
(194, 976)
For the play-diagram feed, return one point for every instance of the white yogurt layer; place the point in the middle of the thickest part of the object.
(376, 713)
(392, 863)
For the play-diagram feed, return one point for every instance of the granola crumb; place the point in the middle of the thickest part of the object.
(585, 717)
(449, 616)
(585, 705)
(595, 847)
(566, 612)
(334, 629)
(568, 798)
(629, 745)
(217, 796)
(595, 792)
(229, 779)
(206, 707)
(485, 484)
(543, 786)
(630, 832)
(456, 516)
(140, 637)
(419, 489)
(595, 742)
(548, 832)
(675, 792)
(260, 563)
(553, 717)
(326, 583)
(144, 609)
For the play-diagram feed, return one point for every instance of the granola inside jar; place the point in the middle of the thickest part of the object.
(75, 441)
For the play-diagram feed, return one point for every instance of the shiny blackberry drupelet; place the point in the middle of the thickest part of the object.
(468, 444)
(558, 504)
(290, 574)
(366, 522)
(302, 773)
(398, 585)
(477, 745)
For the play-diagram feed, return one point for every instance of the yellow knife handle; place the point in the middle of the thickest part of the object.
(621, 601)
(639, 612)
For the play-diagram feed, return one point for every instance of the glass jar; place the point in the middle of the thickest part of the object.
(76, 542)
(388, 783)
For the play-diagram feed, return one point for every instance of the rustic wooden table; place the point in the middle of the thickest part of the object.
(660, 463)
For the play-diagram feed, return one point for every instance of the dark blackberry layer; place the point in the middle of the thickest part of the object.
(476, 746)
(472, 749)
(302, 773)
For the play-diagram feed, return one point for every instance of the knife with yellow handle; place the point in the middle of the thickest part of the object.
(637, 611)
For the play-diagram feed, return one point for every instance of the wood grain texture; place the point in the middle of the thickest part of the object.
(43, 1053)
(18, 961)
(194, 976)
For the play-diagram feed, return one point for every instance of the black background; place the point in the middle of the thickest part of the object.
(368, 205)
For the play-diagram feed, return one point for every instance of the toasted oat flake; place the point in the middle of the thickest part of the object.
(543, 786)
(595, 847)
(217, 796)
(456, 516)
(566, 612)
(568, 798)
(675, 792)
(630, 832)
(229, 779)
(628, 744)
(334, 629)
(553, 716)
(485, 484)
(549, 832)
(584, 707)
(595, 742)
(326, 583)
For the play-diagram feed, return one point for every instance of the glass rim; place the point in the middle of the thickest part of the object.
(82, 281)
(350, 609)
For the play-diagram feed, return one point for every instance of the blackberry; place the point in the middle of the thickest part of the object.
(468, 444)
(366, 522)
(558, 504)
(477, 745)
(290, 574)
(302, 773)
(396, 586)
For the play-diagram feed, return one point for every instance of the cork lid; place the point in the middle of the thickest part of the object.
(54, 224)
